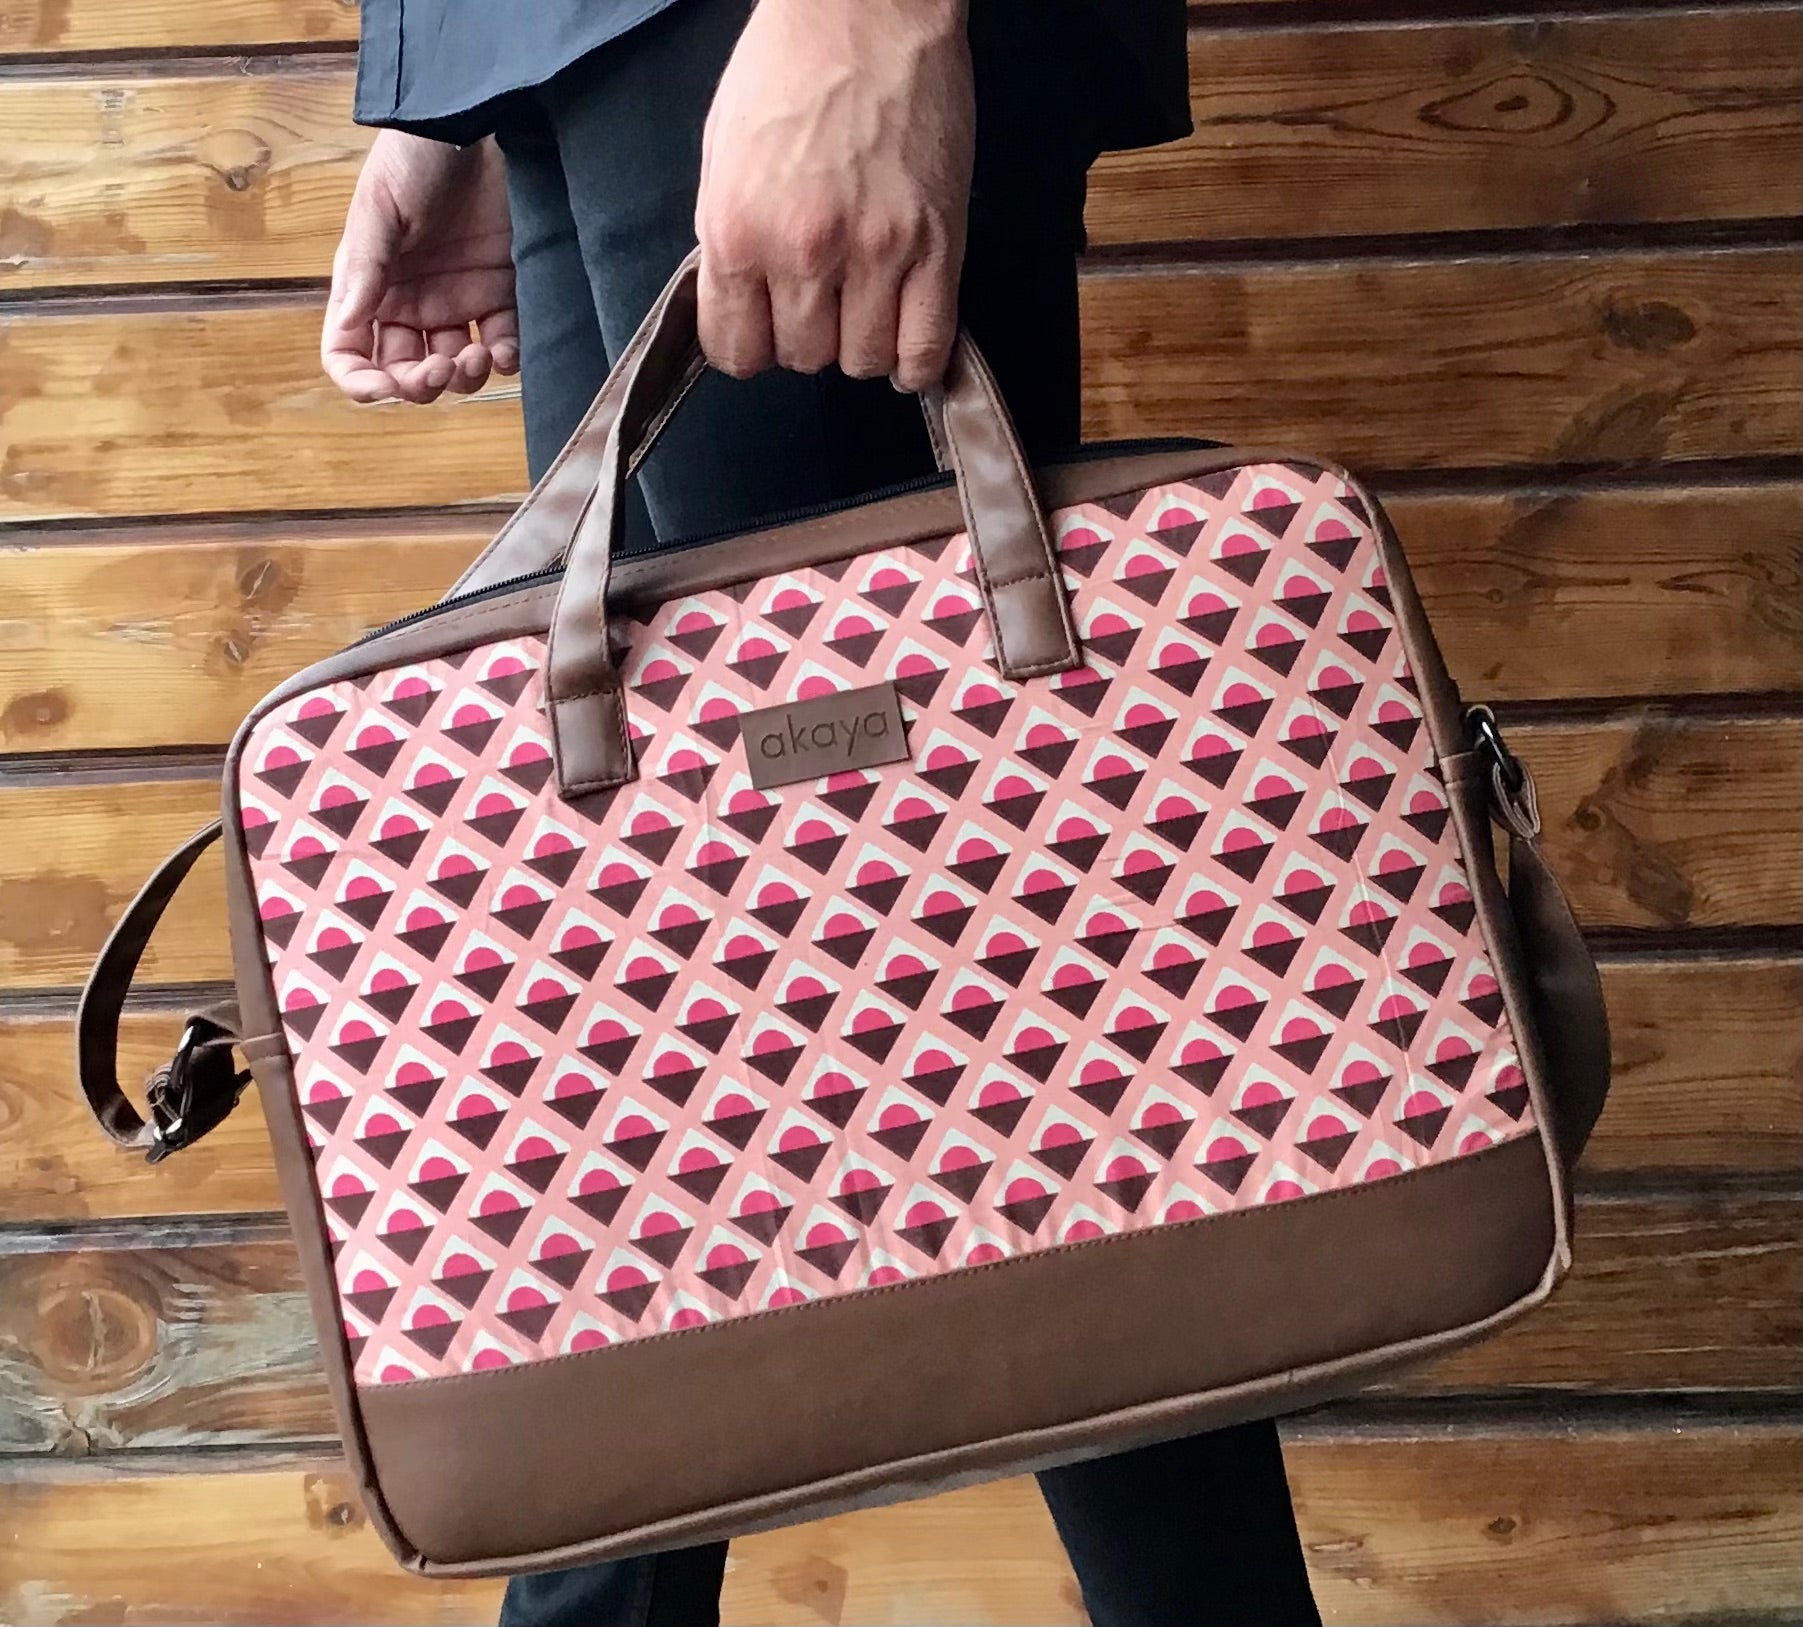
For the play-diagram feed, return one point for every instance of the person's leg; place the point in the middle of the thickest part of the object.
(677, 1589)
(562, 357)
(1192, 1531)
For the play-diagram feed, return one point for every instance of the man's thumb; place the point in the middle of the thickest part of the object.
(358, 283)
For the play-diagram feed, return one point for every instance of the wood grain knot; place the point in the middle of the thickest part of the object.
(330, 1503)
(1651, 327)
(91, 1337)
(31, 714)
(1516, 103)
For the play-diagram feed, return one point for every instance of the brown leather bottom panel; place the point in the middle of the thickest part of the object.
(532, 1459)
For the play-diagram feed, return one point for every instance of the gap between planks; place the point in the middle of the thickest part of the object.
(114, 765)
(1522, 482)
(1501, 246)
(1454, 1417)
(171, 1232)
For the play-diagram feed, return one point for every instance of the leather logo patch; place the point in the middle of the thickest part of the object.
(807, 740)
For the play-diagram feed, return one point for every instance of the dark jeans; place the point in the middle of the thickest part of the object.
(602, 167)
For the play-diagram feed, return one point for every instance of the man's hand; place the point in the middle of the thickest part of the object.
(426, 254)
(835, 183)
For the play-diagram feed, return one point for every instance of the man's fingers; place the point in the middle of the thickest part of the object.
(927, 325)
(356, 378)
(735, 322)
(418, 376)
(424, 381)
(469, 359)
(471, 362)
(397, 343)
(500, 331)
(869, 315)
(804, 318)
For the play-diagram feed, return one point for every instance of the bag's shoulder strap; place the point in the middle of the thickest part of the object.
(1565, 995)
(201, 1083)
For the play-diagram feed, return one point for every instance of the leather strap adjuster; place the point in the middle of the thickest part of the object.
(195, 1092)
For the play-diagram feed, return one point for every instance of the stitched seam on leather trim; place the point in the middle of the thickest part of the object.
(1031, 493)
(1387, 1184)
(977, 562)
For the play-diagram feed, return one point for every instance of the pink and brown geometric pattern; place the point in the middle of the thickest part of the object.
(1181, 932)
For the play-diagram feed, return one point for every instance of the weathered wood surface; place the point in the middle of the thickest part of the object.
(209, 1344)
(136, 25)
(1573, 594)
(1444, 127)
(208, 172)
(1674, 823)
(1625, 358)
(223, 407)
(179, 177)
(1458, 351)
(1692, 1522)
(1657, 822)
(1675, 1524)
(1632, 358)
(197, 630)
(1540, 595)
(55, 1165)
(1707, 1057)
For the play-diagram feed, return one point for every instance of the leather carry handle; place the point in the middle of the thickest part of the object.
(538, 533)
(1018, 575)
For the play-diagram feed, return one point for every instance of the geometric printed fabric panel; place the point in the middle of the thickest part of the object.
(1175, 934)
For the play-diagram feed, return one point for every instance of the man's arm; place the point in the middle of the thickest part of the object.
(835, 184)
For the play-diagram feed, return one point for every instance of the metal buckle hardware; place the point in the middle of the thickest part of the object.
(1510, 781)
(1486, 735)
(198, 1088)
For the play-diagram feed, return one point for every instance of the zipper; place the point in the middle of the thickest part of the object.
(1090, 452)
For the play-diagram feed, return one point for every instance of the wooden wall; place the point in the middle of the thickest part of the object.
(1534, 266)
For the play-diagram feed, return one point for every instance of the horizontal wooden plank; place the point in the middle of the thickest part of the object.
(185, 177)
(1680, 1524)
(1659, 822)
(1668, 823)
(174, 411)
(1573, 594)
(55, 1165)
(1696, 1293)
(1684, 1524)
(197, 630)
(1566, 358)
(134, 25)
(210, 1344)
(1707, 1059)
(1323, 131)
(1301, 133)
(172, 638)
(1694, 1099)
(61, 888)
